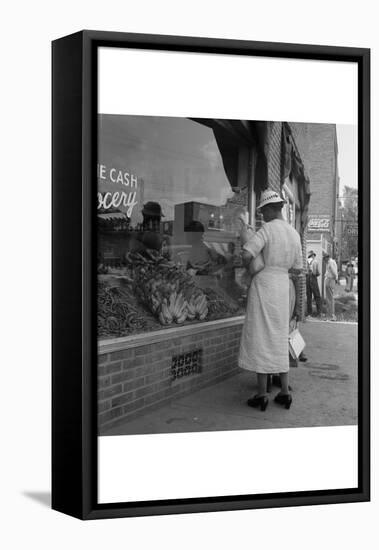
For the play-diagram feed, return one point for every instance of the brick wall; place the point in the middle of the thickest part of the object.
(273, 164)
(134, 380)
(301, 132)
(274, 157)
(317, 147)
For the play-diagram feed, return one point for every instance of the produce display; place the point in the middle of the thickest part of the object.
(167, 290)
(150, 292)
(117, 315)
(218, 306)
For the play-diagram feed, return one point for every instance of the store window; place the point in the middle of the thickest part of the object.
(168, 246)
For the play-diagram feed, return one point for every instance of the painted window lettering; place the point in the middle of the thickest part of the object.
(115, 175)
(116, 199)
(124, 178)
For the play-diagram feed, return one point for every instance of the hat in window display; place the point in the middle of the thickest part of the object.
(152, 240)
(268, 196)
(152, 208)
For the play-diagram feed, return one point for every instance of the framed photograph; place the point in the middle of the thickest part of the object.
(211, 287)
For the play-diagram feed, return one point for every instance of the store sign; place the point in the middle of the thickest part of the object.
(186, 364)
(117, 189)
(319, 223)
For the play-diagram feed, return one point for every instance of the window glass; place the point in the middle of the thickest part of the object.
(168, 246)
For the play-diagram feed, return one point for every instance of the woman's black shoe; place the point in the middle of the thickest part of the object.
(283, 399)
(258, 401)
(276, 382)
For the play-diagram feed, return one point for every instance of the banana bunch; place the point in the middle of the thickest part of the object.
(168, 292)
(165, 316)
(178, 307)
(197, 306)
(173, 309)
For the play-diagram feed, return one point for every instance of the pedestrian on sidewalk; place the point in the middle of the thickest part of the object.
(312, 284)
(264, 341)
(331, 277)
(350, 276)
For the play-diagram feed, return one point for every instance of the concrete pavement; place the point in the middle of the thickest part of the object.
(324, 392)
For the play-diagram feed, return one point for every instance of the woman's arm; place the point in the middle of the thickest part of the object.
(246, 258)
(253, 265)
(252, 245)
(245, 233)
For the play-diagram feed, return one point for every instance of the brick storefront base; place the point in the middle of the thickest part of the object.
(132, 381)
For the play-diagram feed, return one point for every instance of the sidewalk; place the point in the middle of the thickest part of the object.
(324, 393)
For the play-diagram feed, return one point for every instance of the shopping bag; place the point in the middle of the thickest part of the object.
(296, 343)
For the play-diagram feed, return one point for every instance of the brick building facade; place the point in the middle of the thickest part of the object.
(317, 144)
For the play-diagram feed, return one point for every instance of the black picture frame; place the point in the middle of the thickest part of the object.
(74, 154)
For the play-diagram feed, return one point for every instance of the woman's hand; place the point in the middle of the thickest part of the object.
(246, 258)
(246, 229)
(242, 218)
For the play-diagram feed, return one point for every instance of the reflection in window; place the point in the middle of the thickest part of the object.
(168, 248)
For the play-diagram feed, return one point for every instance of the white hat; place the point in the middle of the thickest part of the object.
(269, 196)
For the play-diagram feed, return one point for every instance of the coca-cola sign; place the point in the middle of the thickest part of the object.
(351, 229)
(319, 223)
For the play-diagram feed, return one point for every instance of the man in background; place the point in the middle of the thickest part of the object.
(331, 277)
(350, 276)
(313, 290)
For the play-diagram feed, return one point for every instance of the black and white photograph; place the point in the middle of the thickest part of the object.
(227, 267)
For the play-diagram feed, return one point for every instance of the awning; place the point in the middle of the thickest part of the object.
(293, 164)
(230, 134)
